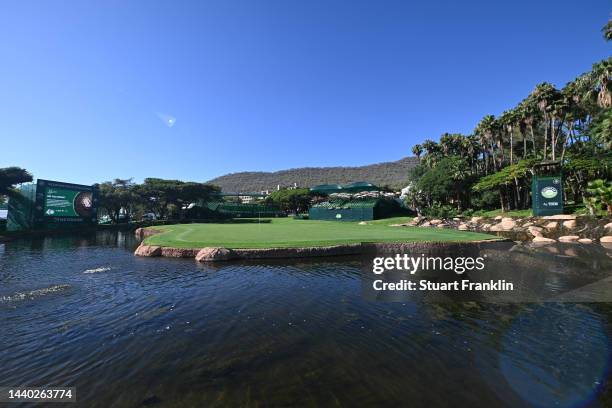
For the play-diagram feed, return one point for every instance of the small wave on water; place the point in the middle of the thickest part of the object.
(33, 294)
(98, 270)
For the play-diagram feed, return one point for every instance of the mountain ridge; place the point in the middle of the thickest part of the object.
(393, 174)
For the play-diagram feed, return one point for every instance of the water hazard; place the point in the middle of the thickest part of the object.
(128, 332)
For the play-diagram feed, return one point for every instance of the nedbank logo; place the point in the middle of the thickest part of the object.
(549, 192)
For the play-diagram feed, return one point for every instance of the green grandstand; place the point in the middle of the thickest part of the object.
(367, 209)
(242, 210)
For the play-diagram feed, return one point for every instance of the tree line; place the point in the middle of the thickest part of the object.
(166, 199)
(122, 199)
(570, 128)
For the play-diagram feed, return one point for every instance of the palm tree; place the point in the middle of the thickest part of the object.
(446, 143)
(545, 96)
(508, 120)
(417, 150)
(607, 31)
(485, 136)
(529, 112)
(432, 152)
(602, 74)
(522, 126)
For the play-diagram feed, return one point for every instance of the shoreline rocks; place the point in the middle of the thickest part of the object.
(220, 254)
(142, 233)
(543, 240)
(215, 254)
(567, 228)
(148, 250)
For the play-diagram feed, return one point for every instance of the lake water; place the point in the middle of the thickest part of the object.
(129, 332)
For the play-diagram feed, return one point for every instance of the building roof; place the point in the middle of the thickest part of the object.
(336, 204)
(344, 188)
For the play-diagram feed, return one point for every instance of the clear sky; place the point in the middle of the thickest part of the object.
(93, 90)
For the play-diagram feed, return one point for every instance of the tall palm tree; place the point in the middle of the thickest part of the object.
(486, 131)
(529, 112)
(508, 120)
(432, 152)
(417, 150)
(607, 30)
(602, 73)
(545, 95)
(521, 126)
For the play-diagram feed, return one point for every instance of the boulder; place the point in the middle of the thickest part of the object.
(170, 252)
(214, 254)
(497, 227)
(442, 225)
(551, 225)
(486, 227)
(542, 240)
(498, 218)
(606, 239)
(475, 220)
(528, 224)
(569, 238)
(559, 217)
(142, 233)
(585, 241)
(463, 227)
(608, 226)
(535, 231)
(139, 233)
(417, 220)
(148, 250)
(426, 224)
(569, 224)
(435, 222)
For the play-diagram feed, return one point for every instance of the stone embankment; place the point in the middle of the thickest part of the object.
(142, 233)
(216, 254)
(542, 230)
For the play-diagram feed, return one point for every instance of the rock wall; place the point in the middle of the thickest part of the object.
(218, 254)
(553, 228)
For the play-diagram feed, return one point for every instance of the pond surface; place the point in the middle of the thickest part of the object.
(128, 332)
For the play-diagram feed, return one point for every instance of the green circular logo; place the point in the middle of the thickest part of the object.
(549, 192)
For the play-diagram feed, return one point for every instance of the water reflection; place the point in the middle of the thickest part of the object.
(129, 331)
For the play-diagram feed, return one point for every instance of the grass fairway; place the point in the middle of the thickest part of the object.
(287, 232)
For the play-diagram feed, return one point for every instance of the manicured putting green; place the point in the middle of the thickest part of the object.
(287, 232)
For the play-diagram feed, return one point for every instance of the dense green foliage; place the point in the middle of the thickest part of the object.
(607, 30)
(291, 200)
(599, 194)
(287, 232)
(164, 198)
(389, 173)
(10, 177)
(492, 168)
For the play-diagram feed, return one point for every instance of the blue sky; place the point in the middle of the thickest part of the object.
(87, 89)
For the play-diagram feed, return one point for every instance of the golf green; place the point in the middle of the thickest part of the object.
(287, 232)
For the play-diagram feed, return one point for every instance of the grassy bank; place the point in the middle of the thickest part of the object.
(286, 232)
